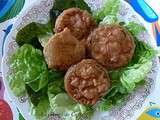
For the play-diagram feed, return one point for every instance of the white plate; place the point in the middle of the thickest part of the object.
(39, 12)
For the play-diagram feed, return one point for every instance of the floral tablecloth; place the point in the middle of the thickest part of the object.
(152, 101)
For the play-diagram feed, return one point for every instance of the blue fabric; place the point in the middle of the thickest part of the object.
(7, 6)
(144, 10)
(2, 3)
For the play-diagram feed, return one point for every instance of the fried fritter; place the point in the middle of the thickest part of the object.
(112, 46)
(63, 50)
(78, 21)
(87, 81)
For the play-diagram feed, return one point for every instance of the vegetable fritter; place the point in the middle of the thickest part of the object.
(63, 50)
(78, 21)
(112, 46)
(87, 81)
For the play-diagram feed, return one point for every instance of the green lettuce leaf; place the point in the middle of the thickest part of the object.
(68, 109)
(139, 67)
(35, 97)
(110, 7)
(56, 75)
(39, 103)
(55, 87)
(42, 110)
(29, 68)
(109, 19)
(134, 28)
(35, 34)
(17, 85)
(56, 83)
(115, 96)
(42, 98)
(42, 82)
(43, 39)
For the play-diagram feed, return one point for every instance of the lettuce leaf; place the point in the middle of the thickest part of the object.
(109, 19)
(40, 100)
(39, 84)
(68, 109)
(139, 67)
(16, 84)
(110, 7)
(29, 68)
(55, 88)
(39, 103)
(135, 28)
(56, 83)
(35, 97)
(42, 110)
(35, 34)
(55, 75)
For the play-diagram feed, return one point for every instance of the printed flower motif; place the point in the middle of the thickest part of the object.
(5, 111)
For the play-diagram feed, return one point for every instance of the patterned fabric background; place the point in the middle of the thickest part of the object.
(8, 111)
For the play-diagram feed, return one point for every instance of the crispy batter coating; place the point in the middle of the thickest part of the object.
(112, 46)
(63, 50)
(87, 81)
(78, 21)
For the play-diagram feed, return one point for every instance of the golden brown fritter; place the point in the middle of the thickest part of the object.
(112, 46)
(63, 50)
(86, 82)
(78, 21)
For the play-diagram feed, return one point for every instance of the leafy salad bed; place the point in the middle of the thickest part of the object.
(45, 87)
